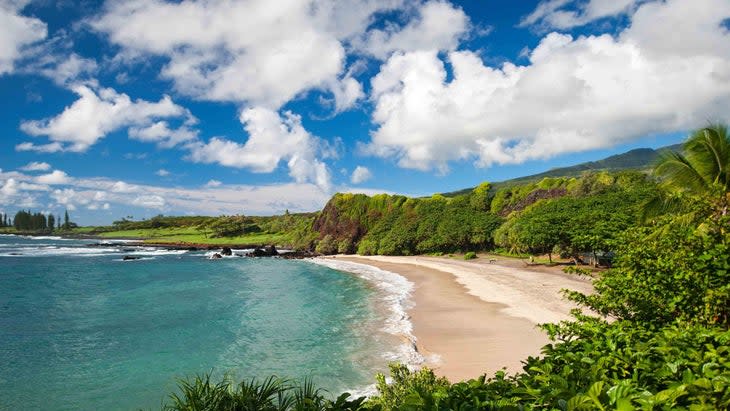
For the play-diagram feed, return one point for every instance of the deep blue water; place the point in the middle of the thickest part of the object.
(81, 329)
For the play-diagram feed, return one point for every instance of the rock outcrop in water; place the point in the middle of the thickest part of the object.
(269, 251)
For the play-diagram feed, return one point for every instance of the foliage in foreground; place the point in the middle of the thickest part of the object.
(592, 366)
(270, 394)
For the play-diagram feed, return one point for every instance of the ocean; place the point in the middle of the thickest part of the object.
(81, 329)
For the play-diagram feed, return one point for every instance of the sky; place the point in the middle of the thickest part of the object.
(112, 109)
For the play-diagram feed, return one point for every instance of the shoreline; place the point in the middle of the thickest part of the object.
(475, 317)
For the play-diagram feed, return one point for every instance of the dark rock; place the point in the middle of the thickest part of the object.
(271, 250)
(226, 251)
(215, 256)
(257, 252)
(130, 257)
(297, 255)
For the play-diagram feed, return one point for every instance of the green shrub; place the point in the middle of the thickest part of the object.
(470, 255)
(270, 394)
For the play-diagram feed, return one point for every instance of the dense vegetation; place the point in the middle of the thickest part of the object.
(27, 221)
(660, 337)
(570, 216)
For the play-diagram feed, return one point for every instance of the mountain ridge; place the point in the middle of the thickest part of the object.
(638, 158)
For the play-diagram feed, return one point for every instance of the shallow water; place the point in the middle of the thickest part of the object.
(82, 329)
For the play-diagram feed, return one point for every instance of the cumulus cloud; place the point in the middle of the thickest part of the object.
(566, 14)
(149, 201)
(242, 51)
(55, 59)
(575, 94)
(122, 187)
(437, 25)
(272, 138)
(162, 172)
(12, 193)
(39, 148)
(16, 33)
(36, 166)
(56, 177)
(161, 133)
(99, 112)
(68, 198)
(213, 183)
(99, 193)
(360, 175)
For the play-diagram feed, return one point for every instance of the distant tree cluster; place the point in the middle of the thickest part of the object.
(29, 221)
(5, 220)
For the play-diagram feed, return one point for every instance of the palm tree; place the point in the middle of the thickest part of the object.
(700, 173)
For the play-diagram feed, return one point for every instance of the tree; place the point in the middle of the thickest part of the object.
(66, 221)
(696, 182)
(51, 222)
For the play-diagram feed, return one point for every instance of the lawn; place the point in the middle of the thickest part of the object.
(193, 235)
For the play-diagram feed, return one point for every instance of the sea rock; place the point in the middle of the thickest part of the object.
(226, 251)
(130, 257)
(271, 250)
(215, 256)
(257, 252)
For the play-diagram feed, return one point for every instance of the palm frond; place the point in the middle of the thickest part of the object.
(679, 174)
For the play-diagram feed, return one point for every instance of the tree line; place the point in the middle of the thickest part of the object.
(25, 220)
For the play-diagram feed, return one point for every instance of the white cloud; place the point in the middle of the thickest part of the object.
(242, 51)
(213, 183)
(64, 69)
(68, 198)
(162, 172)
(36, 166)
(17, 32)
(437, 25)
(149, 201)
(360, 175)
(39, 148)
(554, 14)
(14, 187)
(272, 139)
(97, 113)
(576, 94)
(122, 187)
(56, 177)
(161, 133)
(213, 199)
(9, 188)
(55, 59)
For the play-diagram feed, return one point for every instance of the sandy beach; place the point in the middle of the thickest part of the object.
(475, 317)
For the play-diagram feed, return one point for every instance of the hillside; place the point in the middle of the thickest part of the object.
(637, 159)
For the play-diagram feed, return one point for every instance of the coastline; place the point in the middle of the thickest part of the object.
(475, 317)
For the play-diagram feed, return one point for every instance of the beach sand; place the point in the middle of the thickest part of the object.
(475, 317)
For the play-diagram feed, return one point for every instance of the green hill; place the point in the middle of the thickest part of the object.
(637, 159)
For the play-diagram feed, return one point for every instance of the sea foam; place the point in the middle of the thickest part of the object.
(396, 293)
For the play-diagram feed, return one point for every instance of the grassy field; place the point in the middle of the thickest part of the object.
(194, 236)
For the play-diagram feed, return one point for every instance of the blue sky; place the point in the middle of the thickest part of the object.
(146, 107)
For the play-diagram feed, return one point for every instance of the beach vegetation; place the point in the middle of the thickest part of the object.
(270, 394)
(470, 255)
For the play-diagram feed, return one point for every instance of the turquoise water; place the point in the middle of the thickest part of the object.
(81, 329)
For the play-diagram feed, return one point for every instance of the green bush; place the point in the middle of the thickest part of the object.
(682, 274)
(470, 255)
(271, 394)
